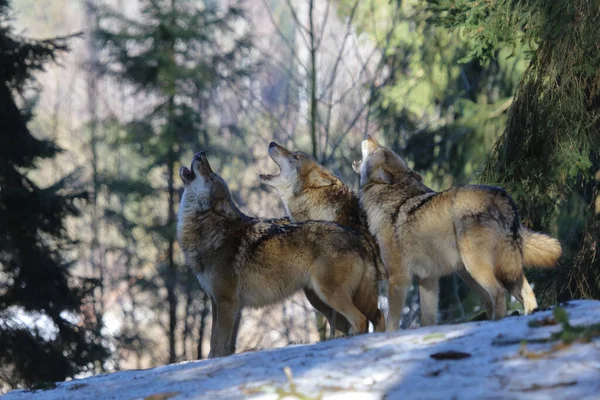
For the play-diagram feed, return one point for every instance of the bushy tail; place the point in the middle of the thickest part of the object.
(540, 250)
(366, 297)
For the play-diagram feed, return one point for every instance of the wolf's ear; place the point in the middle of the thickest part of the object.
(382, 175)
(224, 207)
(317, 180)
(416, 176)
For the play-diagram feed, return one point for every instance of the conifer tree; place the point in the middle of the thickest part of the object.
(41, 340)
(549, 154)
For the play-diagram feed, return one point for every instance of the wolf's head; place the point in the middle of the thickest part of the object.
(380, 165)
(204, 190)
(297, 171)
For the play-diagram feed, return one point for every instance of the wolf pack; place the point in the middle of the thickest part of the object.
(338, 246)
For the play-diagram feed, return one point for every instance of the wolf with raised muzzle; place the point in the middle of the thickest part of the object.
(472, 230)
(309, 191)
(249, 262)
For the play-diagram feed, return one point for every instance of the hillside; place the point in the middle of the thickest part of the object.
(478, 360)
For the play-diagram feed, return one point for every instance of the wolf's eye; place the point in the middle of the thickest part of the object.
(295, 156)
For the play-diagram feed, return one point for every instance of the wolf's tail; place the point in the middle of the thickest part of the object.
(367, 297)
(540, 250)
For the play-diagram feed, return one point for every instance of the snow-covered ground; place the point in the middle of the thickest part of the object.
(479, 360)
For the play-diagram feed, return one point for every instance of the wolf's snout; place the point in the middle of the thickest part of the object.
(200, 164)
(274, 150)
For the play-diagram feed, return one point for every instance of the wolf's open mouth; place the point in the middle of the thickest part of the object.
(268, 177)
(187, 173)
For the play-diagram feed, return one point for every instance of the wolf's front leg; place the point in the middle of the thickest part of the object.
(213, 332)
(429, 290)
(399, 280)
(397, 289)
(236, 328)
(228, 312)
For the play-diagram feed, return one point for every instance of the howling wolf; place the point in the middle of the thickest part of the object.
(242, 261)
(472, 230)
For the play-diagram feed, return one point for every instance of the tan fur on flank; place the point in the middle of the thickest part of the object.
(310, 191)
(472, 230)
(249, 262)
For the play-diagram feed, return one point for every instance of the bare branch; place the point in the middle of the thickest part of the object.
(313, 82)
(279, 64)
(324, 23)
(334, 71)
(263, 107)
(342, 47)
(282, 35)
(388, 38)
(345, 133)
(373, 85)
(299, 24)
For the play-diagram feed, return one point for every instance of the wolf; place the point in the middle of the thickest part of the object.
(309, 191)
(472, 230)
(249, 262)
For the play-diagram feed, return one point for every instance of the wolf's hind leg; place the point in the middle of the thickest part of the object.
(341, 301)
(332, 324)
(477, 288)
(477, 260)
(341, 323)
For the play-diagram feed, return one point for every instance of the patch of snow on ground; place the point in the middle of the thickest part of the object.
(392, 365)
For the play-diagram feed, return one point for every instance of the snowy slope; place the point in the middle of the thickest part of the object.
(395, 365)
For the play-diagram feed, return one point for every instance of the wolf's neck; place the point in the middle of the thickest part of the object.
(208, 230)
(286, 195)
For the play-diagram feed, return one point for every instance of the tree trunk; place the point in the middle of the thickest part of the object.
(321, 326)
(92, 95)
(172, 267)
(313, 83)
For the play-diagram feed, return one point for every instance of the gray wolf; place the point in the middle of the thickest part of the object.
(472, 230)
(248, 262)
(310, 191)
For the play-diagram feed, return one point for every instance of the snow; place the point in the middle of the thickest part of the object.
(392, 365)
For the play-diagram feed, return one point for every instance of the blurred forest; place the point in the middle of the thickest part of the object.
(101, 101)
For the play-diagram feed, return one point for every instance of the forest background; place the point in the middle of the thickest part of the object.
(104, 100)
